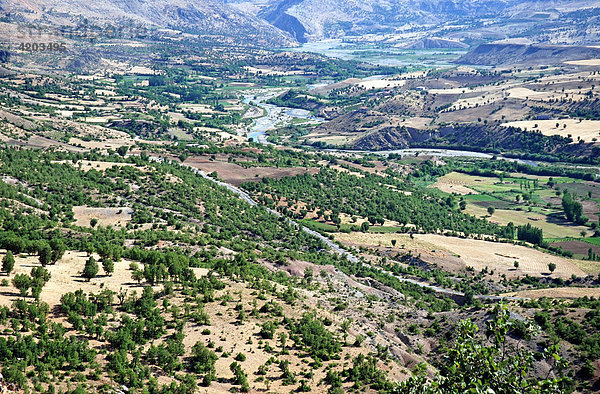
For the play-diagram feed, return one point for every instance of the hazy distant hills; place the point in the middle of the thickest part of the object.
(333, 18)
(543, 21)
(507, 54)
(197, 16)
(439, 23)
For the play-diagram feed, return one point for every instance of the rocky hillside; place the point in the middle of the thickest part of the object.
(195, 16)
(285, 22)
(475, 137)
(507, 54)
(564, 22)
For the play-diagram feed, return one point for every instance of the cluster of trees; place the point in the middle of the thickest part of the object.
(490, 363)
(48, 251)
(573, 209)
(309, 333)
(531, 234)
(371, 196)
(34, 281)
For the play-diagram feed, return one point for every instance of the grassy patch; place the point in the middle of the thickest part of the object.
(385, 229)
(593, 241)
(480, 197)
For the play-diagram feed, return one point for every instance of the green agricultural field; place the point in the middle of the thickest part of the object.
(516, 199)
(553, 226)
(593, 241)
(480, 197)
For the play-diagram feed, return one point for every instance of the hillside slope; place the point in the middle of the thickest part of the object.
(196, 16)
(506, 54)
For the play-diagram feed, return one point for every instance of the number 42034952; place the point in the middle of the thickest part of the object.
(42, 47)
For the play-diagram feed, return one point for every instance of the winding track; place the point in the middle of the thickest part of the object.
(332, 245)
(349, 255)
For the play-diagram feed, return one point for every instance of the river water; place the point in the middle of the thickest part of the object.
(275, 116)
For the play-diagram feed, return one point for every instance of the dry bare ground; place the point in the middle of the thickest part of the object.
(225, 329)
(119, 216)
(587, 62)
(585, 129)
(456, 252)
(236, 174)
(66, 277)
(235, 337)
(450, 184)
(559, 292)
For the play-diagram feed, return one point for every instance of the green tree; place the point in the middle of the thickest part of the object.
(22, 282)
(573, 209)
(45, 254)
(240, 377)
(202, 360)
(8, 262)
(108, 266)
(551, 267)
(491, 210)
(39, 277)
(490, 364)
(137, 275)
(122, 150)
(91, 268)
(58, 249)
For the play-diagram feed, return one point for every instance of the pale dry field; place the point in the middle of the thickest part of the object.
(478, 254)
(381, 83)
(558, 292)
(586, 62)
(585, 129)
(505, 216)
(331, 140)
(106, 216)
(66, 277)
(453, 183)
(501, 257)
(417, 122)
(87, 165)
(197, 108)
(477, 101)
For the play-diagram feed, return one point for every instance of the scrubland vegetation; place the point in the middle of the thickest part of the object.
(124, 268)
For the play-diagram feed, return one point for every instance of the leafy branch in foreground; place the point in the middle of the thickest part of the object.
(478, 364)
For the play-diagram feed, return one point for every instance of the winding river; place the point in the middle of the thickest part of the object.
(275, 116)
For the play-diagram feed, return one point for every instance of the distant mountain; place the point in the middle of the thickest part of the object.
(276, 23)
(432, 43)
(334, 18)
(198, 16)
(510, 54)
(472, 19)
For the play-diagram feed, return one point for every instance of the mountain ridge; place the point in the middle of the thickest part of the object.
(197, 16)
